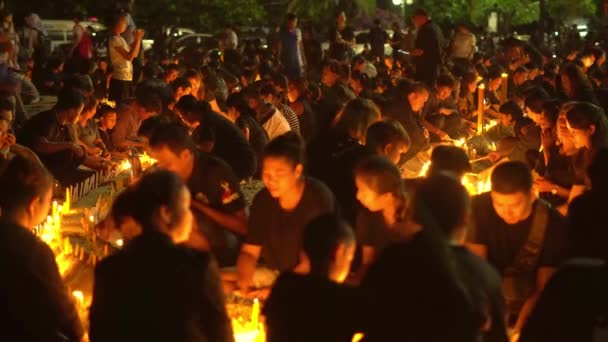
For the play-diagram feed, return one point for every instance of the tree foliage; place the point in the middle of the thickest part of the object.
(562, 10)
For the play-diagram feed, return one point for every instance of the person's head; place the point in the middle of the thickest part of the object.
(119, 23)
(148, 106)
(122, 215)
(356, 117)
(442, 202)
(340, 20)
(89, 109)
(330, 73)
(173, 148)
(237, 105)
(535, 104)
(452, 159)
(149, 126)
(107, 116)
(468, 83)
(163, 205)
(5, 127)
(588, 125)
(379, 184)
(444, 86)
(283, 164)
(171, 73)
(181, 87)
(417, 96)
(7, 109)
(564, 136)
(520, 76)
(420, 17)
(296, 88)
(270, 94)
(291, 21)
(574, 82)
(359, 82)
(195, 79)
(329, 244)
(70, 104)
(494, 77)
(26, 190)
(510, 113)
(388, 138)
(512, 191)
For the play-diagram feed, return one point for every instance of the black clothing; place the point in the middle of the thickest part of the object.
(332, 159)
(558, 170)
(410, 289)
(588, 236)
(107, 140)
(340, 51)
(377, 38)
(310, 308)
(504, 241)
(229, 145)
(308, 122)
(573, 305)
(154, 290)
(63, 165)
(214, 184)
(35, 303)
(258, 138)
(120, 90)
(332, 101)
(279, 232)
(485, 287)
(429, 40)
(401, 110)
(372, 231)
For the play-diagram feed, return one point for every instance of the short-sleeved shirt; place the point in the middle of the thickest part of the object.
(504, 241)
(275, 124)
(372, 230)
(44, 125)
(279, 232)
(213, 183)
(87, 134)
(122, 69)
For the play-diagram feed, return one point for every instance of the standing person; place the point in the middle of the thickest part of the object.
(279, 214)
(377, 38)
(122, 56)
(35, 302)
(154, 288)
(427, 51)
(8, 30)
(81, 52)
(342, 39)
(291, 51)
(521, 236)
(463, 45)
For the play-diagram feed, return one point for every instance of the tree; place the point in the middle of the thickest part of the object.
(321, 12)
(563, 10)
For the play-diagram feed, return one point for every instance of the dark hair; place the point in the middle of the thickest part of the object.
(21, 181)
(362, 78)
(387, 131)
(291, 16)
(583, 115)
(268, 89)
(580, 83)
(81, 83)
(153, 191)
(180, 82)
(239, 102)
(451, 159)
(598, 169)
(442, 201)
(495, 72)
(150, 125)
(192, 73)
(69, 99)
(512, 108)
(321, 237)
(289, 146)
(420, 12)
(90, 104)
(189, 104)
(123, 207)
(356, 116)
(150, 103)
(467, 78)
(171, 67)
(6, 105)
(446, 80)
(536, 100)
(512, 177)
(174, 136)
(104, 110)
(520, 70)
(598, 52)
(380, 175)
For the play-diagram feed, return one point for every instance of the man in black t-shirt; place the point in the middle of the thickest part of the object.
(342, 39)
(428, 50)
(216, 195)
(519, 235)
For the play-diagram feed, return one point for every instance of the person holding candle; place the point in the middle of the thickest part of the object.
(155, 288)
(316, 306)
(35, 303)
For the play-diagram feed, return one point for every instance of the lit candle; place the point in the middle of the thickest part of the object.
(255, 313)
(503, 87)
(67, 203)
(480, 107)
(55, 208)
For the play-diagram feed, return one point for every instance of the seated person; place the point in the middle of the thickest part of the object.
(520, 236)
(269, 117)
(180, 87)
(279, 214)
(440, 112)
(130, 116)
(86, 131)
(326, 309)
(48, 134)
(8, 142)
(387, 138)
(107, 121)
(223, 138)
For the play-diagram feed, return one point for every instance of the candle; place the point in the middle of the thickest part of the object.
(255, 313)
(480, 107)
(503, 87)
(55, 208)
(67, 203)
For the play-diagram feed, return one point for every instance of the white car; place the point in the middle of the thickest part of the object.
(360, 41)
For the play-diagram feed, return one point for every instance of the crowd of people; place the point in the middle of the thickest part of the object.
(349, 234)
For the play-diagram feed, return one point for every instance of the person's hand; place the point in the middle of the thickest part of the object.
(77, 150)
(139, 34)
(9, 140)
(543, 185)
(95, 151)
(417, 52)
(443, 136)
(494, 156)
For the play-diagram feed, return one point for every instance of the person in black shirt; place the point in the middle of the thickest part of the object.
(107, 121)
(228, 142)
(35, 303)
(316, 307)
(427, 51)
(280, 212)
(48, 135)
(342, 39)
(388, 138)
(154, 288)
(216, 194)
(441, 201)
(506, 222)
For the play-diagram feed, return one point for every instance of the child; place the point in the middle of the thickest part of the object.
(316, 307)
(107, 121)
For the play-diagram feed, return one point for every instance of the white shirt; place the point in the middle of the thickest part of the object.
(276, 126)
(122, 69)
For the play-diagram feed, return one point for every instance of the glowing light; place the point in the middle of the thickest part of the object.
(79, 296)
(425, 169)
(119, 242)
